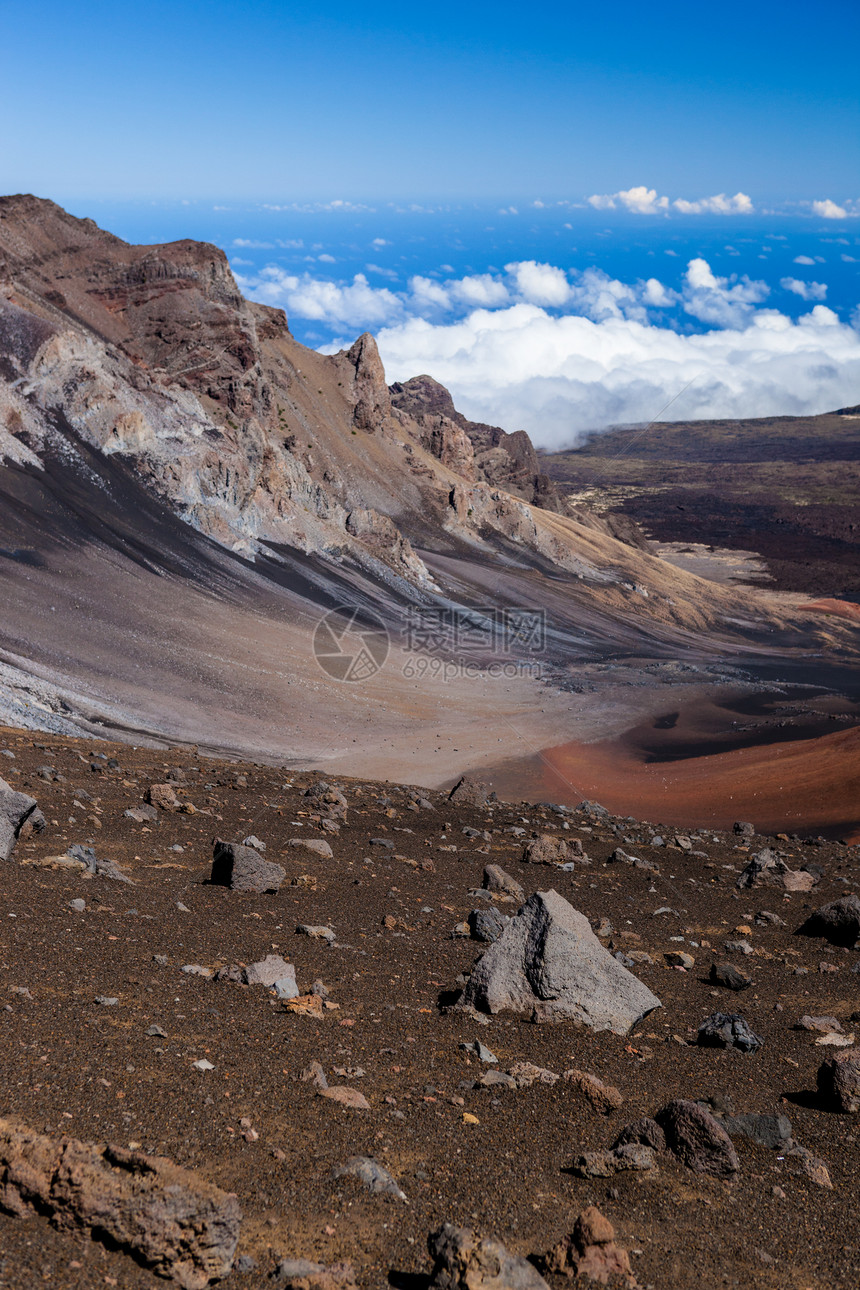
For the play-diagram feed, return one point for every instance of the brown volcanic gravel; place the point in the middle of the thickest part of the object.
(72, 1065)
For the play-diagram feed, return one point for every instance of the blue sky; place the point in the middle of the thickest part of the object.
(451, 101)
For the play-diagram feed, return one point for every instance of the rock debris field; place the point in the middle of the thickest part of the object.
(271, 1029)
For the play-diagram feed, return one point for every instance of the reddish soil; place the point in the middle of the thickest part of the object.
(810, 786)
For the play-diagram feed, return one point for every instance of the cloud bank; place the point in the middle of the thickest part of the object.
(560, 352)
(644, 201)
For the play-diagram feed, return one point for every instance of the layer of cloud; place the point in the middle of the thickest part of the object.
(645, 201)
(713, 300)
(556, 377)
(556, 352)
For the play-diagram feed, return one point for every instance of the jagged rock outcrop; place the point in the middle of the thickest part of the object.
(497, 458)
(369, 390)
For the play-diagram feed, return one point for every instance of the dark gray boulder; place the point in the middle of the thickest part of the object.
(839, 921)
(728, 1030)
(244, 869)
(773, 1131)
(730, 976)
(697, 1138)
(548, 963)
(486, 925)
(645, 1131)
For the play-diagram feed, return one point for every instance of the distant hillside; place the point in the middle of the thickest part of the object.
(785, 487)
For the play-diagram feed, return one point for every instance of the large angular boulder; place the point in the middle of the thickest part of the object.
(244, 869)
(17, 812)
(549, 963)
(839, 921)
(169, 1219)
(462, 1261)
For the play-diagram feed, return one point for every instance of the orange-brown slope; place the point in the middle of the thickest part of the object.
(809, 785)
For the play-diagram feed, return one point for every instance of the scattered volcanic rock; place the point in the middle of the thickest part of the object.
(371, 1174)
(469, 792)
(268, 971)
(497, 880)
(728, 1030)
(764, 865)
(463, 1261)
(629, 1157)
(549, 963)
(486, 924)
(163, 797)
(546, 850)
(839, 1080)
(730, 976)
(645, 1131)
(697, 1139)
(773, 1131)
(17, 810)
(318, 846)
(838, 921)
(91, 863)
(166, 1217)
(604, 1098)
(244, 869)
(590, 1251)
(303, 1274)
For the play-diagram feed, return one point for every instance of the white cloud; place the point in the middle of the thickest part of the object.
(325, 258)
(644, 201)
(849, 259)
(428, 293)
(803, 259)
(522, 367)
(720, 302)
(829, 210)
(656, 294)
(806, 290)
(480, 289)
(640, 200)
(252, 244)
(540, 284)
(720, 204)
(354, 305)
(379, 242)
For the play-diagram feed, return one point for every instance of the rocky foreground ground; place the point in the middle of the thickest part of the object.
(287, 1076)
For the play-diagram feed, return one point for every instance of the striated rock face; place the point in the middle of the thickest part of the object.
(172, 1221)
(151, 354)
